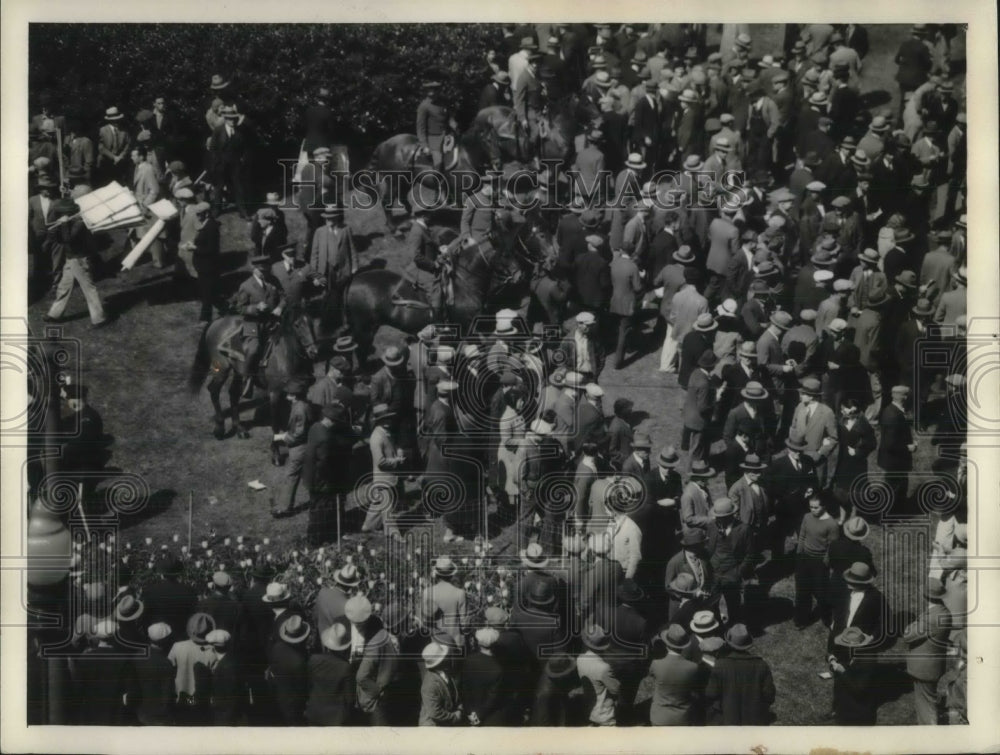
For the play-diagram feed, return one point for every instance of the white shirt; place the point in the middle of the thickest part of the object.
(357, 642)
(45, 202)
(855, 601)
(582, 353)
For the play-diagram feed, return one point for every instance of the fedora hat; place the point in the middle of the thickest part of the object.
(859, 573)
(669, 458)
(294, 630)
(218, 638)
(630, 592)
(358, 609)
(222, 580)
(444, 567)
(700, 469)
(902, 235)
(495, 616)
(708, 360)
(129, 608)
(675, 637)
(590, 219)
(332, 211)
(218, 82)
(635, 161)
(262, 570)
(230, 113)
(381, 412)
(754, 391)
(541, 594)
(723, 507)
(856, 528)
(869, 257)
(560, 666)
(534, 556)
(682, 584)
(336, 637)
(852, 637)
(684, 255)
(198, 626)
(688, 95)
(705, 322)
(795, 442)
(738, 638)
(573, 379)
(344, 345)
(347, 576)
(258, 260)
(960, 275)
(595, 638)
(434, 654)
(158, 632)
(753, 463)
(704, 622)
(393, 356)
(781, 319)
(692, 537)
(879, 124)
(877, 299)
(724, 144)
(693, 162)
(113, 114)
(810, 386)
(276, 592)
(923, 308)
(748, 349)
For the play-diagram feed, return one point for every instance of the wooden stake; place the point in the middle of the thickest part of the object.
(190, 517)
(83, 515)
(336, 501)
(59, 153)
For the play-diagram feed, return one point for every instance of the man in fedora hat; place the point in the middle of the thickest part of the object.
(332, 598)
(496, 92)
(295, 439)
(288, 662)
(647, 124)
(740, 689)
(733, 555)
(696, 503)
(897, 444)
(853, 679)
(113, 146)
(223, 606)
(194, 658)
(595, 669)
(926, 641)
(332, 253)
(439, 697)
(591, 177)
(580, 350)
(953, 304)
(699, 408)
(330, 674)
(229, 148)
(394, 386)
(751, 415)
(724, 245)
(424, 261)
(845, 551)
(791, 477)
(686, 309)
(862, 606)
(677, 680)
(151, 692)
(694, 561)
(814, 422)
(387, 458)
(868, 281)
(699, 340)
(332, 437)
(751, 499)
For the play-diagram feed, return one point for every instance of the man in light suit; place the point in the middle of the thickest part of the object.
(687, 305)
(724, 245)
(449, 601)
(696, 504)
(589, 419)
(815, 423)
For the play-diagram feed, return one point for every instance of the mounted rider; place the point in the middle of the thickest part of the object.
(257, 301)
(479, 213)
(435, 123)
(423, 271)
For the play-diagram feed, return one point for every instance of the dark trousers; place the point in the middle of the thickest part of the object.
(812, 581)
(625, 326)
(206, 283)
(322, 527)
(697, 442)
(231, 175)
(713, 290)
(733, 593)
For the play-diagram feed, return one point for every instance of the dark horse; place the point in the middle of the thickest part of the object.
(487, 276)
(294, 348)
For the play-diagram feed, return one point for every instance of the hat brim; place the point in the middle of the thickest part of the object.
(114, 117)
(710, 472)
(851, 580)
(346, 583)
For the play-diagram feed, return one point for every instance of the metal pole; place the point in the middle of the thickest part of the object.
(83, 513)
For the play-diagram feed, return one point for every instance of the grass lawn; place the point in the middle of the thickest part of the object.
(137, 368)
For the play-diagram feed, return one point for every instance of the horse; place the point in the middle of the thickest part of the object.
(499, 131)
(294, 347)
(490, 275)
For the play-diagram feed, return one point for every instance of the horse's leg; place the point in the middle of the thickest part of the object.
(275, 407)
(235, 394)
(214, 386)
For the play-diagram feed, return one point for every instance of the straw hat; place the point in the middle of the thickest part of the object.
(294, 630)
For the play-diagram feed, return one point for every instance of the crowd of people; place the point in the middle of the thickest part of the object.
(792, 312)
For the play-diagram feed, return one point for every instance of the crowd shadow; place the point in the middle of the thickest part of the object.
(875, 98)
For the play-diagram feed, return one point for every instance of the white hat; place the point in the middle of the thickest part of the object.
(218, 637)
(434, 654)
(445, 353)
(586, 318)
(159, 631)
(541, 427)
(822, 276)
(486, 636)
(446, 386)
(594, 390)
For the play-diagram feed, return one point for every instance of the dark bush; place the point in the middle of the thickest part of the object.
(373, 70)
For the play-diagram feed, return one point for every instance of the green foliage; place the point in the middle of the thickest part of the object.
(373, 70)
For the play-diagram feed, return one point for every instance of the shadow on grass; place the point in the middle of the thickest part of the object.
(875, 98)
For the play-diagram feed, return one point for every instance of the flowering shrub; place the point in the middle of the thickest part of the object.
(487, 582)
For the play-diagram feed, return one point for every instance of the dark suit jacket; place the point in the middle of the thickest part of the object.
(490, 96)
(787, 487)
(647, 122)
(229, 151)
(699, 401)
(592, 279)
(740, 691)
(229, 694)
(482, 686)
(331, 690)
(317, 468)
(693, 346)
(568, 348)
(869, 618)
(897, 434)
(288, 666)
(152, 692)
(99, 681)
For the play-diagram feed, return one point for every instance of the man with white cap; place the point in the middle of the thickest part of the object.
(229, 692)
(833, 306)
(588, 422)
(151, 690)
(580, 350)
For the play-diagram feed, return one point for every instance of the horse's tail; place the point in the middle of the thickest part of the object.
(200, 367)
